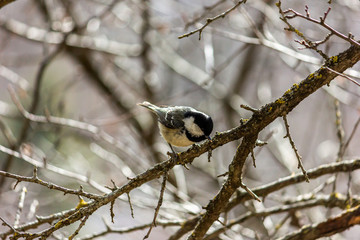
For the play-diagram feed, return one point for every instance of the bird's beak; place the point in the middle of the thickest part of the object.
(208, 137)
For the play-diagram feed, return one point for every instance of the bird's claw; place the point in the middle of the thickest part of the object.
(177, 157)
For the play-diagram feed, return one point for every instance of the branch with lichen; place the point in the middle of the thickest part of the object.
(330, 201)
(263, 191)
(328, 227)
(258, 121)
(5, 2)
(249, 130)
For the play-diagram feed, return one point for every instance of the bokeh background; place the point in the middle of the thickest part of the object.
(107, 56)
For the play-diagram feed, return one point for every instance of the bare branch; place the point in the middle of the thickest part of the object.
(162, 190)
(329, 201)
(50, 167)
(5, 2)
(131, 229)
(206, 10)
(264, 190)
(130, 204)
(345, 76)
(105, 76)
(209, 20)
(5, 223)
(320, 22)
(20, 207)
(34, 105)
(94, 43)
(300, 165)
(328, 227)
(82, 224)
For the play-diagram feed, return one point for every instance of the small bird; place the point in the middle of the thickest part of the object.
(181, 126)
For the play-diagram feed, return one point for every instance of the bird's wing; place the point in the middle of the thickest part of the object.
(173, 118)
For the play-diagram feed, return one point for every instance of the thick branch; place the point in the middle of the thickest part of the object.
(5, 2)
(264, 190)
(216, 206)
(265, 116)
(250, 129)
(327, 228)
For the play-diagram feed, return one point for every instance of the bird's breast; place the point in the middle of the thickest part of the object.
(175, 137)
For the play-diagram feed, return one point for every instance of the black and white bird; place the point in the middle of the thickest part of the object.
(181, 126)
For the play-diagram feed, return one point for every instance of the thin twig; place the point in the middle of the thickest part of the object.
(320, 22)
(349, 197)
(339, 130)
(344, 75)
(251, 109)
(20, 207)
(352, 134)
(5, 223)
(305, 42)
(130, 229)
(253, 158)
(70, 39)
(294, 148)
(112, 215)
(209, 154)
(248, 190)
(264, 190)
(40, 220)
(33, 106)
(7, 133)
(279, 225)
(209, 20)
(51, 168)
(81, 225)
(162, 190)
(32, 209)
(130, 204)
(329, 200)
(249, 131)
(223, 174)
(206, 10)
(95, 131)
(35, 179)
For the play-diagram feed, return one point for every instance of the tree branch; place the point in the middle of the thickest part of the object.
(209, 20)
(5, 2)
(328, 227)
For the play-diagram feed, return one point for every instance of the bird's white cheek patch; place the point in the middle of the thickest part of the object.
(192, 128)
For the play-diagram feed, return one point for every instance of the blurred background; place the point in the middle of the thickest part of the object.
(93, 60)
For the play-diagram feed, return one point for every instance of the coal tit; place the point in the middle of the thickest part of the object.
(181, 126)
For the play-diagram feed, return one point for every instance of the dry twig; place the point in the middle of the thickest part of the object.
(209, 20)
(162, 190)
(20, 207)
(328, 227)
(349, 38)
(300, 165)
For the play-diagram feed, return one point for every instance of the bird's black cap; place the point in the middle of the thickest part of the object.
(204, 122)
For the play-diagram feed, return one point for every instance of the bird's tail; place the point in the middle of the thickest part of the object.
(149, 106)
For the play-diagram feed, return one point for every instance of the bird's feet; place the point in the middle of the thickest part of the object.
(177, 158)
(173, 155)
